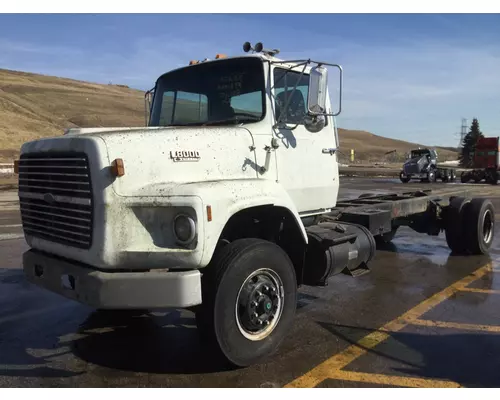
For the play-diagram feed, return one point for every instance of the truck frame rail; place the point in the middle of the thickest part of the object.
(383, 213)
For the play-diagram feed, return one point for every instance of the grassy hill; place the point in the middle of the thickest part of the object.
(373, 148)
(34, 106)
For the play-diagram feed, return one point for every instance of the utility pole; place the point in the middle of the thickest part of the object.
(463, 131)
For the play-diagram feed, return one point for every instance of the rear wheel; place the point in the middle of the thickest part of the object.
(479, 225)
(431, 176)
(493, 177)
(454, 224)
(249, 301)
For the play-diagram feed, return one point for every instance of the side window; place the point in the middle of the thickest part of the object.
(189, 108)
(284, 82)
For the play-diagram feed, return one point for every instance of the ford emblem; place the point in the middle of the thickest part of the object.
(49, 198)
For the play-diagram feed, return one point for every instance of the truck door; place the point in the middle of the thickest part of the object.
(305, 166)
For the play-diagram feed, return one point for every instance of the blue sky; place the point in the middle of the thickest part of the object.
(411, 77)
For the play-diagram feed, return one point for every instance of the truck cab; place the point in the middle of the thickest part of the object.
(236, 150)
(486, 154)
(485, 161)
(421, 164)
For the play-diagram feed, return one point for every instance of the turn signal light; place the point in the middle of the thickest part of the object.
(220, 56)
(192, 62)
(118, 168)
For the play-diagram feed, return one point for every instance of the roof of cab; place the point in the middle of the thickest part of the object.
(263, 56)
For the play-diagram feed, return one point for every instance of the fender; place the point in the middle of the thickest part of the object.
(226, 198)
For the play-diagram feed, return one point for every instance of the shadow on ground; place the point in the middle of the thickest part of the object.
(470, 359)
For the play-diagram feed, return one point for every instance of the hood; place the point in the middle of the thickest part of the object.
(413, 161)
(158, 159)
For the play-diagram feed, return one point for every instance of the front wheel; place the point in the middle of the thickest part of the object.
(249, 300)
(403, 177)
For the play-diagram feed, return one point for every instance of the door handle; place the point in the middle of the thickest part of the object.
(330, 151)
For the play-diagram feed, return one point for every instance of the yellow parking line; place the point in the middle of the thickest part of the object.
(476, 290)
(342, 359)
(392, 380)
(456, 325)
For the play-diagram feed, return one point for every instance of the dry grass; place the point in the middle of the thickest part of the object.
(35, 106)
(8, 182)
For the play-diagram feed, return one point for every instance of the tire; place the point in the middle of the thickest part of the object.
(454, 225)
(403, 177)
(218, 318)
(431, 176)
(479, 225)
(493, 177)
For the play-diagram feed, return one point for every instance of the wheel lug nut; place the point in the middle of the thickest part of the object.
(255, 315)
(273, 289)
(254, 304)
(260, 322)
(266, 288)
(259, 293)
(268, 322)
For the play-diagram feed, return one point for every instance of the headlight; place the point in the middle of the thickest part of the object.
(184, 229)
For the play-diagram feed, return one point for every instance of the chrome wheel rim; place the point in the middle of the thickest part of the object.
(488, 226)
(259, 304)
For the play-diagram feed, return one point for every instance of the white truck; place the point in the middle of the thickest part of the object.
(224, 204)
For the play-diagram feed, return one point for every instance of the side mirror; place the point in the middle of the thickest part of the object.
(148, 98)
(318, 87)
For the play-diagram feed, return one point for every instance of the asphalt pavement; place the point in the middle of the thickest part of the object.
(421, 318)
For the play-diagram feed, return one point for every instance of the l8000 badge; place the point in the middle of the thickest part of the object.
(185, 155)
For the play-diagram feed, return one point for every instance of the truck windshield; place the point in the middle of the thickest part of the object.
(419, 153)
(213, 93)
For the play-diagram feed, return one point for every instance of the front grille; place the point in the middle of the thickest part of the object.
(55, 195)
(411, 168)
